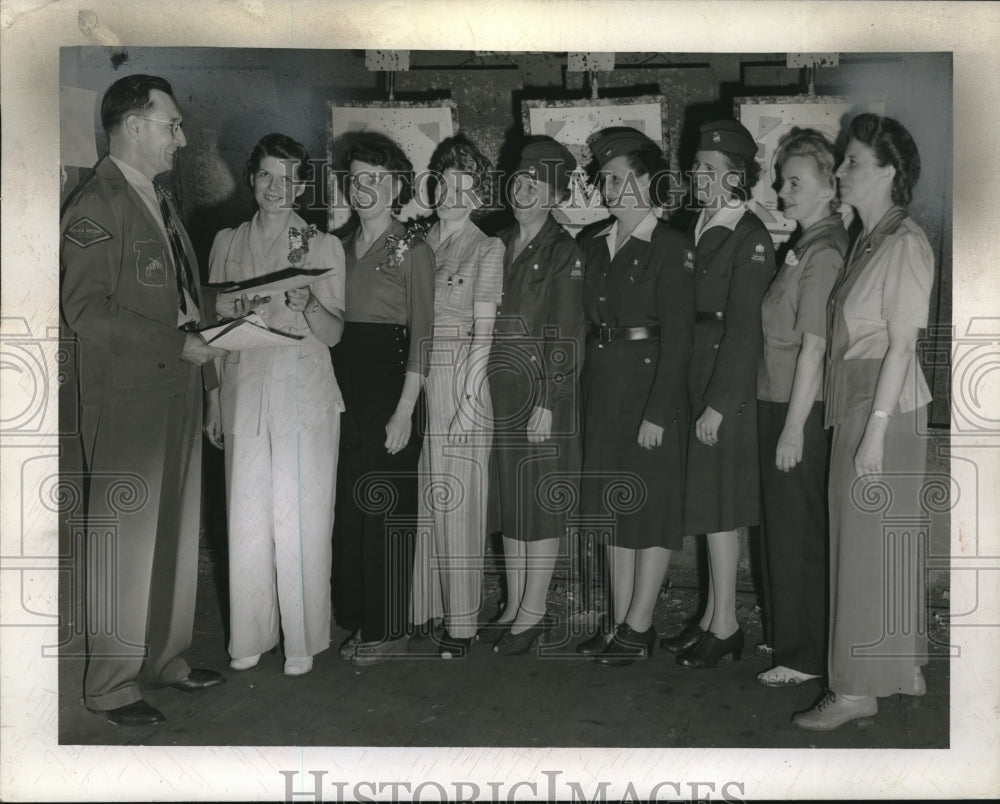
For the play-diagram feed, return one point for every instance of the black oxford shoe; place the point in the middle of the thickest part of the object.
(198, 680)
(139, 713)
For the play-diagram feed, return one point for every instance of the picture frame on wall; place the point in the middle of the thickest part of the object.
(769, 118)
(571, 122)
(418, 127)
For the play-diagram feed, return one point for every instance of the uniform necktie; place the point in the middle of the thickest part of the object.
(185, 276)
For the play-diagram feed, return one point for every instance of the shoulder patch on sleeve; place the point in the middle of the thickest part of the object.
(85, 232)
(689, 260)
(576, 271)
(758, 253)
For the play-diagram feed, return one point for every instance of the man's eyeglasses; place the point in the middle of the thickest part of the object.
(176, 126)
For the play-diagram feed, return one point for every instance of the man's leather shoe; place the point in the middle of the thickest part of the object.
(198, 680)
(138, 713)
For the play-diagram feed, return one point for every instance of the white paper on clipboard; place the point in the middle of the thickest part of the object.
(248, 333)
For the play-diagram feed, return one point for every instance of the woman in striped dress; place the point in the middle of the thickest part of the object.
(448, 568)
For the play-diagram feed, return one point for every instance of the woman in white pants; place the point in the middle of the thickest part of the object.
(280, 416)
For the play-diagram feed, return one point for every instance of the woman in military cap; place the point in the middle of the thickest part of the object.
(534, 364)
(734, 261)
(639, 304)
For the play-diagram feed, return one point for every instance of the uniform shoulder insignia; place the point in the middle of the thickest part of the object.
(85, 232)
(576, 271)
(689, 260)
(758, 253)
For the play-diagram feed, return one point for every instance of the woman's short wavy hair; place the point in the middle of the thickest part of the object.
(892, 145)
(374, 148)
(458, 153)
(747, 170)
(815, 146)
(280, 146)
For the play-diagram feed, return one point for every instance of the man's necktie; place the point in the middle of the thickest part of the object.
(185, 276)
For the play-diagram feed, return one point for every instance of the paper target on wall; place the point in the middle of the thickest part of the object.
(571, 122)
(769, 119)
(418, 127)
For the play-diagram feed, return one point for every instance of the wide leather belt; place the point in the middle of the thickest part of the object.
(606, 334)
(701, 316)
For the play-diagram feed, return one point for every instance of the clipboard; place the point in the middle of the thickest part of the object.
(275, 282)
(248, 333)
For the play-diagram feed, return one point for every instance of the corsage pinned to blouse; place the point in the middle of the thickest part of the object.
(298, 242)
(396, 247)
(791, 258)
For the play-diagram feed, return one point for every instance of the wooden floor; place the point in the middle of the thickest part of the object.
(554, 699)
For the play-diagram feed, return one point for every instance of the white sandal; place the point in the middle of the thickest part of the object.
(782, 676)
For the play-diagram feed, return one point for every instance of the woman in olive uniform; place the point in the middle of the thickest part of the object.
(639, 303)
(534, 365)
(876, 401)
(735, 260)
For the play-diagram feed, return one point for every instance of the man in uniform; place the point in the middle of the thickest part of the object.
(130, 292)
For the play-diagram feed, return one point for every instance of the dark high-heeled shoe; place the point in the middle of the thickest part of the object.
(710, 650)
(627, 645)
(687, 638)
(597, 643)
(492, 632)
(511, 644)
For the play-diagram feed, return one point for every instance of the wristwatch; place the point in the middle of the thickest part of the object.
(878, 413)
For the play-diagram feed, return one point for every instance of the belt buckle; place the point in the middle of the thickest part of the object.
(605, 333)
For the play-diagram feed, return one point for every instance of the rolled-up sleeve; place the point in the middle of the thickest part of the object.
(489, 271)
(329, 288)
(909, 274)
(419, 306)
(819, 274)
(740, 348)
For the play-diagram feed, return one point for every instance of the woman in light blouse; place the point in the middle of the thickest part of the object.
(381, 364)
(876, 398)
(280, 416)
(793, 444)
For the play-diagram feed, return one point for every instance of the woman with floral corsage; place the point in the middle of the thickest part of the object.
(454, 473)
(381, 363)
(794, 447)
(278, 411)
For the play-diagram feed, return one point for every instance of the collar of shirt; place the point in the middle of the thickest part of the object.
(143, 185)
(818, 230)
(727, 216)
(643, 231)
(433, 238)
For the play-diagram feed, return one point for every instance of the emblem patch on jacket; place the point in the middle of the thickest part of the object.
(576, 272)
(689, 260)
(85, 232)
(758, 253)
(150, 263)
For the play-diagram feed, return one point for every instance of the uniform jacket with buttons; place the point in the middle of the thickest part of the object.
(733, 269)
(541, 310)
(119, 293)
(646, 284)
